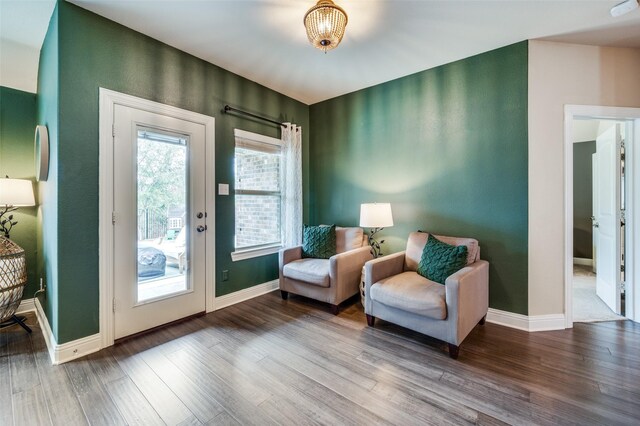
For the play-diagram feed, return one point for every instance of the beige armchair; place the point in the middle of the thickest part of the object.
(396, 293)
(332, 280)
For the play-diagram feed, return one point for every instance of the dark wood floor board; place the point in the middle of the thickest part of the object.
(94, 399)
(580, 412)
(133, 406)
(6, 408)
(350, 412)
(232, 376)
(349, 334)
(30, 407)
(23, 370)
(500, 405)
(471, 395)
(295, 356)
(543, 387)
(235, 404)
(439, 373)
(223, 419)
(625, 327)
(269, 361)
(204, 406)
(589, 369)
(630, 396)
(272, 379)
(195, 331)
(324, 351)
(62, 403)
(594, 345)
(295, 380)
(533, 372)
(105, 366)
(431, 410)
(530, 378)
(170, 408)
(229, 333)
(487, 420)
(313, 330)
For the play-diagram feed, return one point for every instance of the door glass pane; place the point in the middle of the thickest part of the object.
(162, 256)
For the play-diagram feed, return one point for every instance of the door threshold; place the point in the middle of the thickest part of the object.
(156, 328)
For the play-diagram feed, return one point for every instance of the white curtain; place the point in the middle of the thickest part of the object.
(291, 185)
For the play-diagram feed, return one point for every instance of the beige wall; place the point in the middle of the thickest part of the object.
(561, 74)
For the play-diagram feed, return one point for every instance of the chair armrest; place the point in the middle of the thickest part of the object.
(345, 270)
(289, 254)
(467, 296)
(383, 267)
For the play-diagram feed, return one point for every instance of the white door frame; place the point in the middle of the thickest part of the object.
(632, 181)
(108, 100)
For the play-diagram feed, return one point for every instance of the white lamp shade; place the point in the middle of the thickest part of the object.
(376, 215)
(16, 192)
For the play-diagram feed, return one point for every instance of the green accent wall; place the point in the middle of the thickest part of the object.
(583, 199)
(95, 52)
(17, 124)
(47, 229)
(447, 147)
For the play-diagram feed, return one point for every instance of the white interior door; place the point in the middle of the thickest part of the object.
(159, 219)
(608, 217)
(594, 211)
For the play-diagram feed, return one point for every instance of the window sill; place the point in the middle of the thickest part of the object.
(251, 253)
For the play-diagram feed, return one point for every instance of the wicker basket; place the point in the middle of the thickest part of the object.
(13, 277)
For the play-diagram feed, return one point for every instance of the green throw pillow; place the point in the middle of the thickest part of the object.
(319, 241)
(439, 260)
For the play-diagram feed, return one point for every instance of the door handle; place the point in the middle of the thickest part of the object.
(201, 228)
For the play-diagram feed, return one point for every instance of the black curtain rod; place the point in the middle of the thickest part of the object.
(228, 108)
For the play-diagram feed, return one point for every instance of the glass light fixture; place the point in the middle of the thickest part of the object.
(325, 23)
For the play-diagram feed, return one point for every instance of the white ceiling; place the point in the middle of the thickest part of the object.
(265, 41)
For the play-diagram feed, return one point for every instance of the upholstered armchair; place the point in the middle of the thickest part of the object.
(332, 280)
(395, 292)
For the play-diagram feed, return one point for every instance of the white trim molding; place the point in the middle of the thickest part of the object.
(582, 261)
(67, 351)
(632, 214)
(525, 322)
(108, 100)
(246, 294)
(256, 252)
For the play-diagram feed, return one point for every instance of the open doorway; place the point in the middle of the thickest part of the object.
(598, 198)
(617, 220)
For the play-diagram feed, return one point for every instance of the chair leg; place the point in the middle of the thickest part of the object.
(16, 320)
(335, 309)
(370, 320)
(284, 294)
(483, 320)
(454, 351)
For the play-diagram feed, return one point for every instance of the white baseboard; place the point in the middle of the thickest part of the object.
(526, 323)
(67, 351)
(582, 261)
(245, 294)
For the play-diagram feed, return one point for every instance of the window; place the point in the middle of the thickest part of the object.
(258, 164)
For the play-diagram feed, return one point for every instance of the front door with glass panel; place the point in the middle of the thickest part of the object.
(159, 219)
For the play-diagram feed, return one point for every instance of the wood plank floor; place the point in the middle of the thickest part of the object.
(268, 361)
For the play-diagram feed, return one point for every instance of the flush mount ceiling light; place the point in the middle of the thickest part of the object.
(624, 7)
(325, 23)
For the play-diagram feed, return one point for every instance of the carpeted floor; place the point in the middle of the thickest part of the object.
(587, 306)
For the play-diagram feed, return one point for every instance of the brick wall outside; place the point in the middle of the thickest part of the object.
(257, 216)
